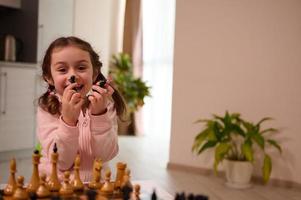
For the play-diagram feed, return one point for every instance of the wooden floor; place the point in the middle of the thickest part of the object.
(147, 158)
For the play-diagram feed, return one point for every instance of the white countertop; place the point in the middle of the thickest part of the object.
(18, 64)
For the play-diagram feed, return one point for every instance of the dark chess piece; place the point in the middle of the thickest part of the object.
(182, 196)
(55, 197)
(72, 79)
(190, 196)
(33, 196)
(126, 192)
(154, 195)
(102, 83)
(102, 80)
(1, 194)
(91, 194)
(201, 197)
(177, 197)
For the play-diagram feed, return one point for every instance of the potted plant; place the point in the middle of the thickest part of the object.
(235, 141)
(133, 89)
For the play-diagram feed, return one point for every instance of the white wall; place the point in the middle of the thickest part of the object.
(96, 21)
(242, 56)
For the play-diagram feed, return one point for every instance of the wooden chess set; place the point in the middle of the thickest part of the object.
(42, 187)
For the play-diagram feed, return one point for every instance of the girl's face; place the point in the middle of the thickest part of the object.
(71, 61)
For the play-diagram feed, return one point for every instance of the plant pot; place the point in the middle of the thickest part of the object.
(238, 173)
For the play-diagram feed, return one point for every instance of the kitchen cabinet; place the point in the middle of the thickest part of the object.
(17, 110)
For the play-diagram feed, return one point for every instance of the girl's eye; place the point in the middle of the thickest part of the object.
(62, 70)
(82, 67)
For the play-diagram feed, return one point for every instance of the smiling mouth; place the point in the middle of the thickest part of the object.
(79, 88)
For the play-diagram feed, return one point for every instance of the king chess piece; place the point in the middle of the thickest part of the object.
(43, 191)
(54, 184)
(20, 193)
(77, 183)
(12, 185)
(35, 178)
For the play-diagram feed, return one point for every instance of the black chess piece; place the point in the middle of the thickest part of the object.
(126, 191)
(154, 195)
(1, 194)
(182, 196)
(102, 80)
(55, 148)
(33, 196)
(55, 197)
(201, 197)
(190, 196)
(177, 197)
(91, 194)
(72, 79)
(102, 83)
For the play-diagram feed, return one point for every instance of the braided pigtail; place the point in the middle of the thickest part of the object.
(49, 102)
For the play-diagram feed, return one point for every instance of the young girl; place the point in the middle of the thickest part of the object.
(76, 114)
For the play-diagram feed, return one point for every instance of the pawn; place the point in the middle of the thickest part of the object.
(136, 192)
(77, 183)
(20, 192)
(108, 188)
(66, 189)
(42, 191)
(12, 185)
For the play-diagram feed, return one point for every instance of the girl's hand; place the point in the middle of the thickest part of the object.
(99, 98)
(71, 105)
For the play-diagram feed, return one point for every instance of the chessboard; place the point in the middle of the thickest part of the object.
(70, 185)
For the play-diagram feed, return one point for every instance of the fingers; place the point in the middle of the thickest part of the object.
(68, 92)
(108, 90)
(76, 98)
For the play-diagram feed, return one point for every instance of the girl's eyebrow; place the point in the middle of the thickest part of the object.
(81, 61)
(59, 63)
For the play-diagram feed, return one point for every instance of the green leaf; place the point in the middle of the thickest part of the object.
(267, 168)
(263, 119)
(275, 144)
(247, 150)
(220, 151)
(258, 139)
(201, 121)
(268, 130)
(237, 129)
(199, 139)
(207, 145)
